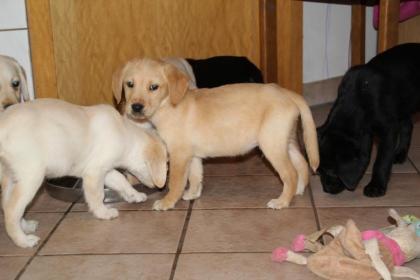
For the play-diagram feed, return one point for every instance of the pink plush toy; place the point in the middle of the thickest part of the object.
(373, 254)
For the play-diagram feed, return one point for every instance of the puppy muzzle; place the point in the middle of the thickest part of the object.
(137, 112)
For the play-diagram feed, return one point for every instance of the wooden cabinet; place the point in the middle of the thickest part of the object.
(77, 44)
(409, 31)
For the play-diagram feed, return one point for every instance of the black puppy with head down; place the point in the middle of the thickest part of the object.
(375, 100)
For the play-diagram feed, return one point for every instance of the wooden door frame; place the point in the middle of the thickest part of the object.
(42, 48)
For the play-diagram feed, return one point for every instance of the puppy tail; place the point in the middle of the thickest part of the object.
(309, 129)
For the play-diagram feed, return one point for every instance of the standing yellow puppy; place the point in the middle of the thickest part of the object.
(225, 121)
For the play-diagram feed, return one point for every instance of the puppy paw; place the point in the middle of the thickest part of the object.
(29, 226)
(191, 195)
(28, 241)
(400, 157)
(106, 213)
(277, 204)
(300, 190)
(374, 190)
(162, 205)
(135, 197)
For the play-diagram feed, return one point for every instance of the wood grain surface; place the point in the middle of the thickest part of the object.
(42, 48)
(93, 38)
(289, 44)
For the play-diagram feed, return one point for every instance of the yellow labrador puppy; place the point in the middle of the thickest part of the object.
(52, 138)
(225, 121)
(13, 85)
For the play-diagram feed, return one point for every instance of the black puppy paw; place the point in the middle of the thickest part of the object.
(400, 157)
(374, 190)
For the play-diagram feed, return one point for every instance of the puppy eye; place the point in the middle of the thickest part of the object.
(15, 84)
(153, 87)
(130, 84)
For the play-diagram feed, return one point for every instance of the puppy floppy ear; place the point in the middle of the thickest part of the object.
(351, 172)
(400, 221)
(23, 92)
(177, 83)
(118, 89)
(156, 161)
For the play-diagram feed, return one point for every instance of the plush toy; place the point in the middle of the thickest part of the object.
(372, 254)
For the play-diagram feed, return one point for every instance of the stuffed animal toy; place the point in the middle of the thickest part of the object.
(372, 254)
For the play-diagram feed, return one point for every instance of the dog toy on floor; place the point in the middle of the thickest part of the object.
(372, 254)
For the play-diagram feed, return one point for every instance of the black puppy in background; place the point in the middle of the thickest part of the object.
(375, 100)
(221, 70)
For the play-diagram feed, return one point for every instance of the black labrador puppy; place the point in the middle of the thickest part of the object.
(375, 100)
(221, 70)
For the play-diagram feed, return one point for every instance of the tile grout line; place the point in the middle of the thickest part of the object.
(43, 243)
(181, 240)
(412, 163)
(97, 254)
(226, 252)
(142, 254)
(250, 208)
(125, 210)
(311, 195)
(239, 175)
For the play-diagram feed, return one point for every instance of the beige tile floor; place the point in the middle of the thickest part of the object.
(226, 234)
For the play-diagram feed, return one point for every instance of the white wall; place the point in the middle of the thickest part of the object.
(326, 40)
(371, 36)
(14, 35)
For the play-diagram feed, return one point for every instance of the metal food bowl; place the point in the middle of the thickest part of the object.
(69, 189)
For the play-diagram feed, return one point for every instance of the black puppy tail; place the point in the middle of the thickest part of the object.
(309, 129)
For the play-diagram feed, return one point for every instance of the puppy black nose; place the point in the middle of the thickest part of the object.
(137, 107)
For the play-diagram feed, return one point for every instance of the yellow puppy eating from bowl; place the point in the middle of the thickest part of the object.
(225, 121)
(52, 138)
